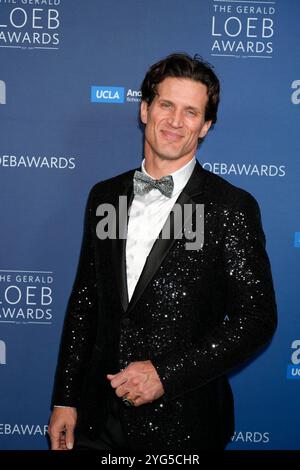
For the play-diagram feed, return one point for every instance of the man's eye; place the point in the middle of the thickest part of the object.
(165, 105)
(191, 113)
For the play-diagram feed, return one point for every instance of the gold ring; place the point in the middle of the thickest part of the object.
(128, 401)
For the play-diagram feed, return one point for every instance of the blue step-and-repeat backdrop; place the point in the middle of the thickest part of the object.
(59, 135)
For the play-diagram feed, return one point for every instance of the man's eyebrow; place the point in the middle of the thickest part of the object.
(194, 108)
(165, 99)
(186, 107)
(161, 98)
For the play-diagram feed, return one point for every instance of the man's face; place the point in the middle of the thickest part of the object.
(175, 119)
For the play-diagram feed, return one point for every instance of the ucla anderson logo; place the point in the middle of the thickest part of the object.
(107, 94)
(293, 369)
(297, 240)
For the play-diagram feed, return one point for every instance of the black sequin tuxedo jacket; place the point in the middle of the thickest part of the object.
(196, 314)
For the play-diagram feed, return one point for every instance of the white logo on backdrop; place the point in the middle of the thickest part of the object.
(38, 161)
(2, 352)
(28, 24)
(251, 437)
(296, 94)
(245, 169)
(2, 92)
(26, 297)
(295, 357)
(243, 29)
(18, 429)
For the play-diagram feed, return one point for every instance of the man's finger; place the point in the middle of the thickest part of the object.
(70, 437)
(139, 401)
(62, 442)
(121, 391)
(118, 380)
(55, 438)
(110, 376)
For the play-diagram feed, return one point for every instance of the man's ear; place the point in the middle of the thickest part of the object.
(144, 112)
(204, 129)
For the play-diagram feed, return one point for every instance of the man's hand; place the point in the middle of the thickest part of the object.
(61, 428)
(139, 382)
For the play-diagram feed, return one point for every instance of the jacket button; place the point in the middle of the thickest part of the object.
(125, 321)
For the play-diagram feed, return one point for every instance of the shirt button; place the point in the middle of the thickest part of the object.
(125, 321)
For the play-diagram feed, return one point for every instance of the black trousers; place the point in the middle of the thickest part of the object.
(112, 436)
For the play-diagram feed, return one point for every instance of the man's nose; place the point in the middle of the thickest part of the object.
(176, 118)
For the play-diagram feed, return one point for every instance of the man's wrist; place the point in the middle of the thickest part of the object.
(62, 406)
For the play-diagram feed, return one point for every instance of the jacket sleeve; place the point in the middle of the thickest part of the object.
(79, 324)
(251, 308)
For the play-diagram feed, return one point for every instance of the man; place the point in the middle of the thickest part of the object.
(152, 326)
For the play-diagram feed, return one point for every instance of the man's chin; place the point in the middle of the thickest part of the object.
(169, 153)
(170, 156)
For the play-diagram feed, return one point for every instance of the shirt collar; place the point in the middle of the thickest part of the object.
(180, 176)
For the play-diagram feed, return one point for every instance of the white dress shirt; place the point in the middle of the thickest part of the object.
(147, 215)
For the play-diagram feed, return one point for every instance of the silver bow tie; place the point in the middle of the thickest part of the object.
(142, 184)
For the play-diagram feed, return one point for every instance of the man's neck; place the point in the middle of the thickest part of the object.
(157, 168)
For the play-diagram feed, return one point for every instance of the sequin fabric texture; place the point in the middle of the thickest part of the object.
(203, 313)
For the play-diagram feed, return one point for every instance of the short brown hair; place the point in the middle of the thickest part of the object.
(182, 65)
